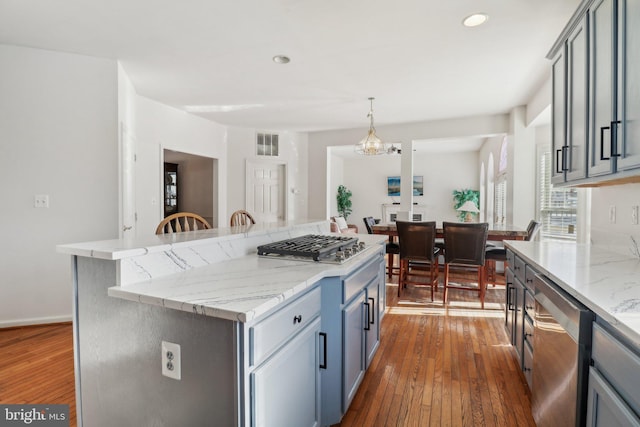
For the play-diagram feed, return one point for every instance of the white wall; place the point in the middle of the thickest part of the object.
(366, 177)
(319, 207)
(293, 152)
(158, 127)
(58, 136)
(618, 236)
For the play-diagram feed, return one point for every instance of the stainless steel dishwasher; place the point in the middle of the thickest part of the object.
(562, 342)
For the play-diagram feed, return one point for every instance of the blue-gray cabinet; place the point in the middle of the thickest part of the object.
(284, 365)
(351, 308)
(613, 382)
(596, 106)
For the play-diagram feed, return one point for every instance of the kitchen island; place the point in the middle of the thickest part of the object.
(195, 329)
(546, 283)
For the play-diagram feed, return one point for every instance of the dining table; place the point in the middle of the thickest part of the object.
(497, 232)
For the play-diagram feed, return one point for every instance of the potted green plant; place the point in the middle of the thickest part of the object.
(344, 201)
(462, 196)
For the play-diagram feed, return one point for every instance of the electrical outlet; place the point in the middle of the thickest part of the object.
(171, 364)
(41, 201)
(612, 214)
(634, 215)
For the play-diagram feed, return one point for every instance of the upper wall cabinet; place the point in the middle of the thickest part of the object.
(596, 107)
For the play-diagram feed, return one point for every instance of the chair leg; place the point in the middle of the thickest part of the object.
(401, 276)
(482, 284)
(446, 283)
(390, 265)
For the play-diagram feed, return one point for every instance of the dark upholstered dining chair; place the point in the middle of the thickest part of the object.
(418, 255)
(465, 245)
(497, 252)
(391, 248)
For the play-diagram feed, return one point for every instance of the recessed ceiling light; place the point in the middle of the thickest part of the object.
(475, 20)
(281, 59)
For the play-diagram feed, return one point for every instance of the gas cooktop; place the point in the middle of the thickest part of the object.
(314, 247)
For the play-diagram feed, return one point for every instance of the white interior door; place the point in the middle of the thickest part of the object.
(265, 191)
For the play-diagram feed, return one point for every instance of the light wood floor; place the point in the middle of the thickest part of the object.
(435, 366)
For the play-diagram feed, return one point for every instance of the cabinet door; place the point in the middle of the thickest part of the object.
(629, 85)
(285, 389)
(509, 306)
(605, 408)
(576, 151)
(518, 328)
(602, 87)
(372, 323)
(559, 117)
(353, 322)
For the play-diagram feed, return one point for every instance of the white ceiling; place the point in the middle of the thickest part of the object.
(414, 56)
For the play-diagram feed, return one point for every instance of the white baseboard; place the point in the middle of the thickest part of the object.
(35, 321)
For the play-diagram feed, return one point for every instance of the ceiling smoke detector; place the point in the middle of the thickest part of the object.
(281, 59)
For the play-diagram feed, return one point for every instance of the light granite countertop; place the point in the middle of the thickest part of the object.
(244, 288)
(606, 282)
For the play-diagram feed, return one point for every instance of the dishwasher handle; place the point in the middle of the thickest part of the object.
(574, 317)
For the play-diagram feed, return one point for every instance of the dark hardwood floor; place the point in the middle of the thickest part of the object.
(442, 366)
(435, 365)
(37, 366)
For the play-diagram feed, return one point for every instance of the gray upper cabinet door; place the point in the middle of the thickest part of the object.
(602, 88)
(559, 114)
(629, 86)
(576, 151)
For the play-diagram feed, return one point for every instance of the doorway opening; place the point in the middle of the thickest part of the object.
(190, 185)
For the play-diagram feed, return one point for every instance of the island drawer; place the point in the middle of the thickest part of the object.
(529, 275)
(268, 335)
(518, 268)
(528, 331)
(527, 363)
(529, 303)
(510, 258)
(618, 365)
(361, 278)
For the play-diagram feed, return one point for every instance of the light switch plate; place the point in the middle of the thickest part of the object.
(612, 214)
(634, 215)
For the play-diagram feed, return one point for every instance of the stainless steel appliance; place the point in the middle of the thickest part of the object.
(562, 342)
(314, 247)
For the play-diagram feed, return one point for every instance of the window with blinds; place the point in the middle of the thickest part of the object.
(500, 201)
(558, 206)
(267, 144)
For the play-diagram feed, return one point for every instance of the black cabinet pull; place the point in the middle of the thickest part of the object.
(510, 299)
(373, 312)
(559, 162)
(297, 319)
(367, 328)
(324, 351)
(614, 138)
(602, 157)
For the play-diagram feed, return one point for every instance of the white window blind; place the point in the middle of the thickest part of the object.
(500, 201)
(267, 144)
(558, 206)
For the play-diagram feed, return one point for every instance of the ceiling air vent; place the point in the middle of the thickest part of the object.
(267, 144)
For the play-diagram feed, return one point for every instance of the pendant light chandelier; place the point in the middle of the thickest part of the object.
(371, 144)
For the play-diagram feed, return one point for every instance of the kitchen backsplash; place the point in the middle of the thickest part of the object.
(620, 234)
